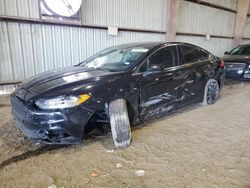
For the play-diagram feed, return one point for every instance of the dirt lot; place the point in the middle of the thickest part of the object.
(197, 147)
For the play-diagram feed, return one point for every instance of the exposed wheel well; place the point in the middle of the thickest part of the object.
(131, 112)
(102, 115)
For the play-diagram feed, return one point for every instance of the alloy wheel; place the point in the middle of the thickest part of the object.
(212, 92)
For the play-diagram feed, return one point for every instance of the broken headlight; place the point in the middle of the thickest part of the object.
(61, 102)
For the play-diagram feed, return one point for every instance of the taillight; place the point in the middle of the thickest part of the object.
(221, 64)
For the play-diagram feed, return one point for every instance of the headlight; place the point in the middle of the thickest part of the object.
(62, 102)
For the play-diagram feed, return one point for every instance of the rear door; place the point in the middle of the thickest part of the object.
(196, 64)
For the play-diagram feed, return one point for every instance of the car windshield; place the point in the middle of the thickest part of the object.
(114, 59)
(241, 50)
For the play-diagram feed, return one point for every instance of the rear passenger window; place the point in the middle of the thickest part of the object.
(203, 55)
(192, 54)
(166, 57)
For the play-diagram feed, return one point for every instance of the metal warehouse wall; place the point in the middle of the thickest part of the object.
(27, 49)
(151, 14)
(247, 28)
(30, 49)
(200, 19)
(246, 34)
(205, 19)
(141, 14)
(21, 8)
(232, 4)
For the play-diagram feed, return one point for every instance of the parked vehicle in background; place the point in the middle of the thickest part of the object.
(237, 62)
(122, 85)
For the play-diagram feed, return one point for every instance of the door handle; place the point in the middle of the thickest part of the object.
(190, 81)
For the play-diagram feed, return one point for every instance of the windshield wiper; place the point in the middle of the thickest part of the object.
(96, 68)
(102, 69)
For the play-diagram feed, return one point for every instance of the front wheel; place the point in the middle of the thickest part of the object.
(211, 92)
(119, 121)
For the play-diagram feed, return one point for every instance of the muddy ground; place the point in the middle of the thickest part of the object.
(196, 147)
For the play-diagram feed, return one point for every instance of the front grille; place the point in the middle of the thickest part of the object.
(19, 109)
(235, 66)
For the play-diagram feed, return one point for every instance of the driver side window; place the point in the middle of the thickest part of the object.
(164, 58)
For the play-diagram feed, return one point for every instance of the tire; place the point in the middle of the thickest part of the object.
(211, 92)
(119, 121)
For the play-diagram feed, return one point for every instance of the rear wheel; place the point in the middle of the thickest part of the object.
(119, 121)
(211, 92)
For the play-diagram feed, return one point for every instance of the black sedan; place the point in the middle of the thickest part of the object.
(121, 85)
(237, 62)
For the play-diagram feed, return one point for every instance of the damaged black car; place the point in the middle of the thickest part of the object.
(237, 62)
(123, 85)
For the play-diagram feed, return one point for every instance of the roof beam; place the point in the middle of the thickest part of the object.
(172, 15)
(240, 22)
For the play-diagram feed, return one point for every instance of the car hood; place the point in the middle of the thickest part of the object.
(59, 79)
(236, 58)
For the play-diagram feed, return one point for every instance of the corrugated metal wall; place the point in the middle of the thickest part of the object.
(27, 49)
(245, 41)
(20, 8)
(142, 14)
(197, 18)
(205, 20)
(247, 28)
(232, 4)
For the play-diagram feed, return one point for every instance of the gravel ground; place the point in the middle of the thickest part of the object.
(200, 146)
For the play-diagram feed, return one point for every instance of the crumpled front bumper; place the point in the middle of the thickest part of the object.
(50, 127)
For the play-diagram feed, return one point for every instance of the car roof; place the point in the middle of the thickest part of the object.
(150, 45)
(244, 45)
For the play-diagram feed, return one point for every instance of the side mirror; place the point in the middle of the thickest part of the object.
(155, 67)
(226, 53)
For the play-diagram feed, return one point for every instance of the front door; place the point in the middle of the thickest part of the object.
(158, 83)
